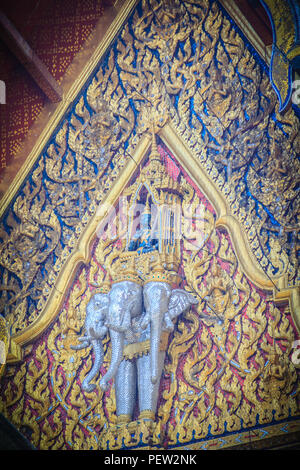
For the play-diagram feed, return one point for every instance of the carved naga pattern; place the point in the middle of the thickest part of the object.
(228, 358)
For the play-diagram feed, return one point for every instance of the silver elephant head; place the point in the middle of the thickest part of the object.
(125, 303)
(95, 330)
(162, 305)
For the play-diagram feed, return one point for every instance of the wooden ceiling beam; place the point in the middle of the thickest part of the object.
(35, 67)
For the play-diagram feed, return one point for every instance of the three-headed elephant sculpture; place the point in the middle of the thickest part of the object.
(133, 315)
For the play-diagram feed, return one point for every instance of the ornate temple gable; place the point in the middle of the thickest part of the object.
(223, 220)
(195, 80)
(227, 366)
(178, 71)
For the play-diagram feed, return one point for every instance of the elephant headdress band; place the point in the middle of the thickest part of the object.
(103, 287)
(124, 269)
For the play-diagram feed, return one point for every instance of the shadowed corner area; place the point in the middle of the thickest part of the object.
(11, 438)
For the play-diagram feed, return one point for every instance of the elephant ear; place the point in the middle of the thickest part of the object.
(179, 302)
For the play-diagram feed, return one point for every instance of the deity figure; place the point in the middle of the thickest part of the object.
(142, 241)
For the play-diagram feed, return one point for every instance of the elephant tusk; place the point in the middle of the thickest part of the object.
(154, 379)
(87, 387)
(145, 322)
(104, 385)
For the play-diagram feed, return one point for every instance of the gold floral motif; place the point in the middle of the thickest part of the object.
(217, 368)
(219, 102)
(224, 357)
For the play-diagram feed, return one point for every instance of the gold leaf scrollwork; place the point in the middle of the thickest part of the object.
(228, 359)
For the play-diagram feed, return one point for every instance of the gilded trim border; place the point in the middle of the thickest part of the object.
(254, 437)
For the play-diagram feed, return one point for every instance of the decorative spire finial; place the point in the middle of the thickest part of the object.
(147, 209)
(154, 155)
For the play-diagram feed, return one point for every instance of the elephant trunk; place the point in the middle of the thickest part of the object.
(117, 344)
(156, 295)
(155, 345)
(99, 356)
(85, 343)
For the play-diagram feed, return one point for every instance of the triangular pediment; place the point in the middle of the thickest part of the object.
(88, 228)
(197, 88)
(227, 324)
(215, 109)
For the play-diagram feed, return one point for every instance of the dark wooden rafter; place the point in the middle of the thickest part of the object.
(258, 18)
(35, 67)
